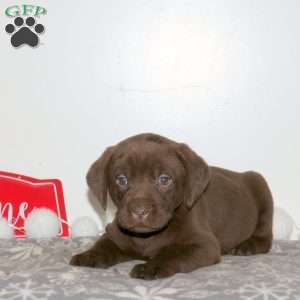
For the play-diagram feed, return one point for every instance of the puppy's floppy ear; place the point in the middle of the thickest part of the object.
(197, 174)
(97, 176)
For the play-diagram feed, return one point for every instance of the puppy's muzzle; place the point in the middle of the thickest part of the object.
(139, 209)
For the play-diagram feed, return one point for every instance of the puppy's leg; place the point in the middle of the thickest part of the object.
(103, 254)
(261, 239)
(177, 259)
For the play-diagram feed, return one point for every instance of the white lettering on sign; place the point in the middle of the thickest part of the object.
(9, 208)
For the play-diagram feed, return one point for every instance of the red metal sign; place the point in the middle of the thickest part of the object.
(19, 195)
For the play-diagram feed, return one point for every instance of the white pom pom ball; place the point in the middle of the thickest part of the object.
(42, 223)
(6, 231)
(283, 224)
(84, 226)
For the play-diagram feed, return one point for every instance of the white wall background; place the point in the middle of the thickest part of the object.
(222, 76)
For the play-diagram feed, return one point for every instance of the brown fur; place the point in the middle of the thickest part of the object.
(203, 213)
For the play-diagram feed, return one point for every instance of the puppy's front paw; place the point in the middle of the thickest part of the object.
(89, 259)
(150, 271)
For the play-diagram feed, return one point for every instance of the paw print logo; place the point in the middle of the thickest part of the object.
(24, 33)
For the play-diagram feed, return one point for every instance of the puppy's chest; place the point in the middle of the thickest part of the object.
(143, 247)
(147, 248)
(139, 247)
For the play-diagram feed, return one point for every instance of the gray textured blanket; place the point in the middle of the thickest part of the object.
(38, 269)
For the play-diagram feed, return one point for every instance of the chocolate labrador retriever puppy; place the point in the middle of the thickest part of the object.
(173, 210)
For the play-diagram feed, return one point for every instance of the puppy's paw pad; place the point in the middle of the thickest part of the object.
(149, 272)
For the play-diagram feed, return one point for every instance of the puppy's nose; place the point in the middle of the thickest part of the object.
(140, 212)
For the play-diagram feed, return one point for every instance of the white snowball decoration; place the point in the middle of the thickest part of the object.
(84, 226)
(283, 224)
(6, 231)
(42, 223)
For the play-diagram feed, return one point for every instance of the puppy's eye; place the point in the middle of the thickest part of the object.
(164, 180)
(122, 181)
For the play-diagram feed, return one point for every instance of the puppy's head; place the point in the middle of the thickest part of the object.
(148, 178)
